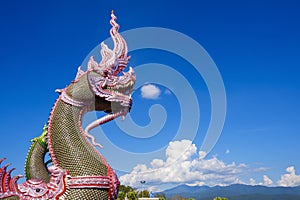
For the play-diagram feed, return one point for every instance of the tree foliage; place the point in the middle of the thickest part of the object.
(127, 191)
(161, 196)
(144, 193)
(179, 197)
(132, 195)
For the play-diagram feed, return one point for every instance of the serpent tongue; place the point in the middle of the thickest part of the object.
(99, 122)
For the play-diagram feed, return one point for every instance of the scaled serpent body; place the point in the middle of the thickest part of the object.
(70, 149)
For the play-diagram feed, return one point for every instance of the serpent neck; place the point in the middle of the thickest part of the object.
(68, 146)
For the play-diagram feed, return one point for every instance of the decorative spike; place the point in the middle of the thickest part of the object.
(13, 183)
(59, 91)
(6, 181)
(5, 178)
(113, 21)
(113, 61)
(92, 64)
(5, 166)
(1, 160)
(79, 74)
(107, 56)
(11, 170)
(8, 184)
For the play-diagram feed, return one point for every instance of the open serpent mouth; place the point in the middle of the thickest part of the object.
(114, 89)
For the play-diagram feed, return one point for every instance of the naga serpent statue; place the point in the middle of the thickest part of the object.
(78, 171)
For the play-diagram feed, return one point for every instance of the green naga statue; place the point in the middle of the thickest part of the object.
(78, 170)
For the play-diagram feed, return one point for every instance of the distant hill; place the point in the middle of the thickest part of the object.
(235, 192)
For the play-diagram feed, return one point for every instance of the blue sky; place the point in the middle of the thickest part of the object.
(255, 46)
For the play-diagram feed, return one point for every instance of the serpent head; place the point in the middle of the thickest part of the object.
(112, 91)
(105, 80)
(105, 86)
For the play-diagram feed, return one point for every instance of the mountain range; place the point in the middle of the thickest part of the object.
(235, 192)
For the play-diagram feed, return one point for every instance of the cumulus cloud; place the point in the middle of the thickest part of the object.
(252, 181)
(290, 178)
(178, 151)
(150, 91)
(267, 181)
(183, 164)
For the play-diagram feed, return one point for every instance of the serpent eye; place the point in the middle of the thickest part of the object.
(38, 190)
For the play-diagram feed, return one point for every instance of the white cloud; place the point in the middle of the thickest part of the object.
(180, 151)
(150, 91)
(291, 170)
(156, 163)
(290, 178)
(227, 151)
(183, 164)
(267, 181)
(252, 181)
